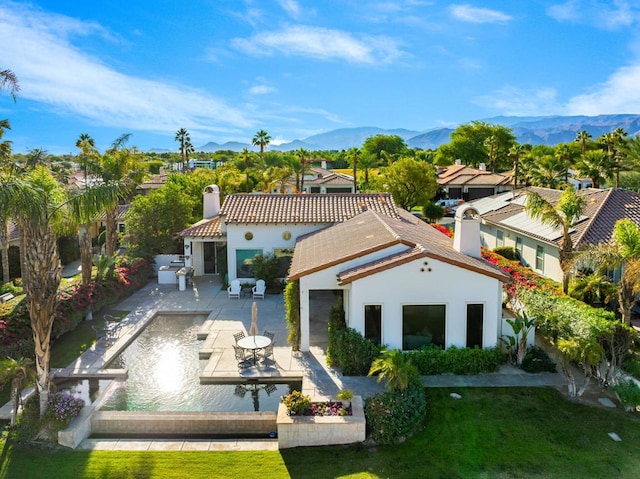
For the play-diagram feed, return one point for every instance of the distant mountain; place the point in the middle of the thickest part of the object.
(538, 130)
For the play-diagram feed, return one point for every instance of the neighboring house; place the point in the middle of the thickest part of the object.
(100, 223)
(320, 180)
(463, 182)
(577, 181)
(403, 283)
(506, 223)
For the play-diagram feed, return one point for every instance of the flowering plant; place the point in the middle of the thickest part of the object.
(329, 408)
(62, 407)
(297, 403)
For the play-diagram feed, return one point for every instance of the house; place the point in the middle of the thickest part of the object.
(463, 182)
(319, 179)
(506, 223)
(403, 283)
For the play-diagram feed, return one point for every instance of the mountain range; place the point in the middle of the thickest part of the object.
(540, 130)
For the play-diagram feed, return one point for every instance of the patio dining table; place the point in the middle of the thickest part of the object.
(253, 344)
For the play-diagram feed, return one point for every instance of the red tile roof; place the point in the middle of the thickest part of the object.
(303, 208)
(207, 228)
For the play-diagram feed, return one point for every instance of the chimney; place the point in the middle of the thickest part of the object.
(482, 167)
(458, 162)
(467, 231)
(323, 164)
(211, 202)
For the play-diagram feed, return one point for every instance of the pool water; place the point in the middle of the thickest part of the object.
(163, 375)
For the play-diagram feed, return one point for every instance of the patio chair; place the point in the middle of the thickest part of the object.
(238, 336)
(267, 353)
(241, 357)
(268, 334)
(259, 289)
(270, 389)
(234, 289)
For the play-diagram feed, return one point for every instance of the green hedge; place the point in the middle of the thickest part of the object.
(353, 353)
(432, 360)
(394, 415)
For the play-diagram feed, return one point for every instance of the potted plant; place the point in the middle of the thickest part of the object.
(345, 395)
(297, 404)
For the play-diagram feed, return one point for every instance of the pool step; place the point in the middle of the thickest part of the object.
(203, 332)
(207, 347)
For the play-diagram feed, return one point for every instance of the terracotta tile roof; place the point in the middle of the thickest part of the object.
(120, 213)
(207, 228)
(330, 179)
(303, 208)
(371, 232)
(603, 209)
(477, 178)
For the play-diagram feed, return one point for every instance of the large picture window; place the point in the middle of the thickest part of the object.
(244, 262)
(475, 321)
(422, 325)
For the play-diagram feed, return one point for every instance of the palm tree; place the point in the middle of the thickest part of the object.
(396, 368)
(516, 152)
(492, 143)
(353, 155)
(7, 168)
(563, 215)
(548, 171)
(303, 168)
(262, 139)
(43, 209)
(245, 158)
(583, 137)
(9, 80)
(276, 175)
(596, 165)
(623, 251)
(19, 372)
(186, 148)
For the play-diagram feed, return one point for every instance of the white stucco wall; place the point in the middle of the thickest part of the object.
(488, 235)
(445, 284)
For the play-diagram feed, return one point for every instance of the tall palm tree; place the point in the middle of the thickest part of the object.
(596, 165)
(186, 148)
(623, 251)
(583, 137)
(9, 80)
(563, 215)
(352, 155)
(245, 158)
(492, 143)
(7, 168)
(44, 209)
(304, 167)
(396, 368)
(549, 171)
(516, 152)
(262, 140)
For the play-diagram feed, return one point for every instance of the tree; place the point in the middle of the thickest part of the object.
(563, 215)
(515, 153)
(384, 146)
(6, 170)
(352, 155)
(18, 372)
(491, 143)
(185, 148)
(153, 219)
(262, 140)
(43, 209)
(9, 80)
(595, 164)
(583, 137)
(245, 158)
(548, 171)
(396, 368)
(412, 183)
(304, 167)
(468, 144)
(623, 251)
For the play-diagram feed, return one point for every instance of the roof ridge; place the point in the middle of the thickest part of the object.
(386, 225)
(595, 215)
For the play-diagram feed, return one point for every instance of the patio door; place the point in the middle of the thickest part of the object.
(210, 258)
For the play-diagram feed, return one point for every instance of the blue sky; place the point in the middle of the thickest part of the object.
(225, 69)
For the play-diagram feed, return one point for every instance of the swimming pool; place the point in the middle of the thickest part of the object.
(163, 375)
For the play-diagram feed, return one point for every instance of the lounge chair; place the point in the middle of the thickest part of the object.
(234, 289)
(259, 289)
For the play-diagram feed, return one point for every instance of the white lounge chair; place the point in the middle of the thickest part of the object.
(259, 289)
(234, 289)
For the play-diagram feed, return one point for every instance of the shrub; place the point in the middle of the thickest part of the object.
(394, 415)
(506, 252)
(335, 328)
(629, 394)
(62, 407)
(265, 266)
(292, 313)
(431, 360)
(297, 403)
(28, 425)
(538, 361)
(353, 353)
(632, 366)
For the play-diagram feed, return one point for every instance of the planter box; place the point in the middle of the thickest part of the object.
(294, 431)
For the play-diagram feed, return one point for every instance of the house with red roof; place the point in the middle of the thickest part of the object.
(403, 283)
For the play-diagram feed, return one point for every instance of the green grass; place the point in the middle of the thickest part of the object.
(489, 433)
(69, 346)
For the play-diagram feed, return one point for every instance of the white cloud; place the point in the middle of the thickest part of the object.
(322, 44)
(468, 13)
(619, 94)
(600, 14)
(514, 101)
(53, 71)
(291, 7)
(261, 89)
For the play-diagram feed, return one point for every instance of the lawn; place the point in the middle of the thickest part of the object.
(489, 433)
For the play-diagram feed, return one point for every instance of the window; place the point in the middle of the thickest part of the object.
(519, 245)
(540, 258)
(475, 322)
(373, 322)
(422, 325)
(244, 260)
(499, 238)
